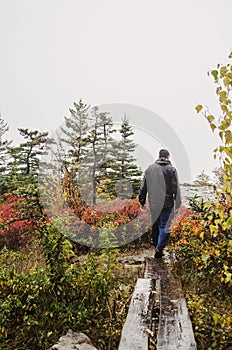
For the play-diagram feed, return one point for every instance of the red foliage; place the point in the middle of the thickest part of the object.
(15, 229)
(185, 223)
(117, 211)
(83, 223)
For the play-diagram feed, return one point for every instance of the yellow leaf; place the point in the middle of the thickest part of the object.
(198, 108)
(223, 97)
(207, 204)
(221, 214)
(221, 134)
(210, 118)
(212, 228)
(228, 136)
(217, 221)
(217, 252)
(213, 126)
(228, 277)
(202, 234)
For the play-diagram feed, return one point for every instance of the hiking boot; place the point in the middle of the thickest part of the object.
(158, 254)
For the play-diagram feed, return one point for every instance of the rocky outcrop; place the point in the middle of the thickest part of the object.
(191, 190)
(74, 341)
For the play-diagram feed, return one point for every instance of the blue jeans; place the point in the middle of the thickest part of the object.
(160, 228)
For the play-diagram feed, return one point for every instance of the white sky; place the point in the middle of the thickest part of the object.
(150, 53)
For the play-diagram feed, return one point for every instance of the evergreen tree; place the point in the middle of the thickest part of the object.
(26, 156)
(100, 154)
(92, 163)
(71, 148)
(22, 171)
(126, 176)
(75, 133)
(4, 155)
(202, 179)
(24, 168)
(3, 128)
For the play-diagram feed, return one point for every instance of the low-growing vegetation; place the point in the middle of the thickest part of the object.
(202, 238)
(204, 266)
(42, 296)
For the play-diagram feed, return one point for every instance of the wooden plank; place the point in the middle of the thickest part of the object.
(133, 333)
(175, 328)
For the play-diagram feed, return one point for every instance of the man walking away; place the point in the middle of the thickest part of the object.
(161, 183)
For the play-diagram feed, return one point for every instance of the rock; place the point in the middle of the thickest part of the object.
(186, 184)
(74, 341)
(205, 192)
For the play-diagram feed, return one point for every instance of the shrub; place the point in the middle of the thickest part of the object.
(204, 260)
(37, 306)
(15, 228)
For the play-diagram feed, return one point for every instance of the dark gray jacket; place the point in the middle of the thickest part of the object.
(161, 183)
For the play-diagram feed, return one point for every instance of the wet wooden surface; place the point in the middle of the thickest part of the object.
(133, 335)
(174, 329)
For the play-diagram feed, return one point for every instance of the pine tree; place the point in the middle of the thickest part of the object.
(91, 160)
(26, 156)
(3, 127)
(4, 155)
(126, 176)
(24, 166)
(22, 171)
(99, 155)
(75, 133)
(71, 150)
(82, 149)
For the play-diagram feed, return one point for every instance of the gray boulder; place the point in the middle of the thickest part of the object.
(74, 341)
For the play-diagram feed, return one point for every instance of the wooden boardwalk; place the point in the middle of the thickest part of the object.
(158, 317)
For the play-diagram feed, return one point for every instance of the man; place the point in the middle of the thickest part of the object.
(161, 183)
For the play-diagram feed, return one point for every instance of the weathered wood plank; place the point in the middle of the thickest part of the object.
(133, 333)
(175, 327)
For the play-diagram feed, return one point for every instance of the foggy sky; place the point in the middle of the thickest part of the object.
(152, 54)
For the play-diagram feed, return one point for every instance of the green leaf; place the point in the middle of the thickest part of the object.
(215, 74)
(205, 257)
(216, 318)
(198, 108)
(229, 222)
